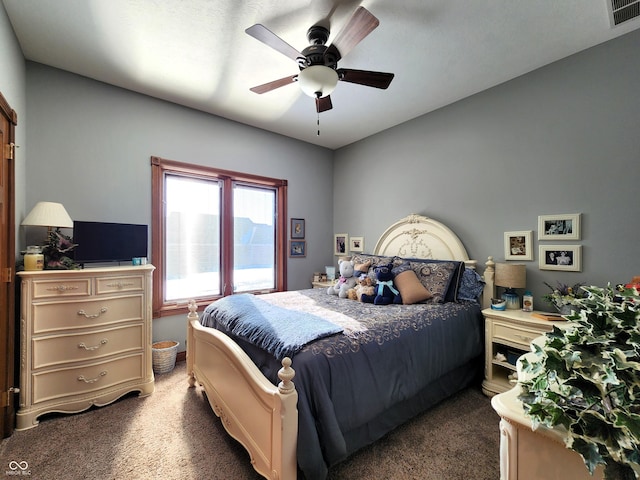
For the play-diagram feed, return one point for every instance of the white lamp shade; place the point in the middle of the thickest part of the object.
(318, 79)
(48, 214)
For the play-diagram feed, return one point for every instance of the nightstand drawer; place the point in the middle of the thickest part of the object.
(514, 334)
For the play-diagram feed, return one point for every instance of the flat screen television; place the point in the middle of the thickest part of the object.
(103, 242)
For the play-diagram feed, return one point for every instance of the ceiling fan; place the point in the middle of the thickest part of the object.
(318, 63)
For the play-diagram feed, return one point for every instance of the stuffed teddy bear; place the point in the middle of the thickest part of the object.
(346, 280)
(351, 294)
(385, 293)
(364, 285)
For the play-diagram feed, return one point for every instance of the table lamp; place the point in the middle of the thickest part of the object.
(511, 276)
(48, 214)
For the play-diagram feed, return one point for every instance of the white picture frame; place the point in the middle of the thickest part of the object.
(559, 227)
(566, 258)
(356, 244)
(518, 245)
(341, 244)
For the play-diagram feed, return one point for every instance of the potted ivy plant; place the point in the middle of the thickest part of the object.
(585, 379)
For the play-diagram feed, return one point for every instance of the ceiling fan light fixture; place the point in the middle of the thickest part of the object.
(318, 79)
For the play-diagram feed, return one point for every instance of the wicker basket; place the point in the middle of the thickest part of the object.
(164, 356)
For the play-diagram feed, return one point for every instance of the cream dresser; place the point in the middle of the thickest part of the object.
(85, 339)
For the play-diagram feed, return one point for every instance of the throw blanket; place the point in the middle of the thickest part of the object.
(279, 331)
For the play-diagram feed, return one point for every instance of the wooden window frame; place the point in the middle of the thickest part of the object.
(159, 168)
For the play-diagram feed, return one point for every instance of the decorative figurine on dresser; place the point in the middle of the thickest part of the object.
(85, 339)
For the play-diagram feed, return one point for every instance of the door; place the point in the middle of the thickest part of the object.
(8, 120)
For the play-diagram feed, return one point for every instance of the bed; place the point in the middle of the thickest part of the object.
(382, 366)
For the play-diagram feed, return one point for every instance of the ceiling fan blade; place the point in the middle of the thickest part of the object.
(361, 24)
(365, 77)
(267, 87)
(323, 104)
(266, 36)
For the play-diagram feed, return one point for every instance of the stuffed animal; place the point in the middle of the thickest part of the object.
(364, 285)
(346, 280)
(385, 292)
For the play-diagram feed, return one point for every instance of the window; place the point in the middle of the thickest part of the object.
(214, 233)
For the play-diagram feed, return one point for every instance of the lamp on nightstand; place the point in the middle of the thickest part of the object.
(511, 276)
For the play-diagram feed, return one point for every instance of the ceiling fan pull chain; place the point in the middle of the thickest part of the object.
(318, 111)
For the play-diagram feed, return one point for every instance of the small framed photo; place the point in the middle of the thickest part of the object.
(356, 244)
(341, 244)
(297, 228)
(559, 227)
(560, 257)
(518, 245)
(297, 248)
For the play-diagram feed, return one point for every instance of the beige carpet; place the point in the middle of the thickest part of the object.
(174, 434)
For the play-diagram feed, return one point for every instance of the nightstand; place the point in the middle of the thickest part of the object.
(510, 333)
(325, 284)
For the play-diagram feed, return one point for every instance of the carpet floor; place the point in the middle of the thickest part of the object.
(174, 434)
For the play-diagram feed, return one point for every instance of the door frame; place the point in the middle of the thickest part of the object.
(7, 270)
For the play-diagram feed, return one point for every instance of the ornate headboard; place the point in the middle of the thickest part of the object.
(416, 236)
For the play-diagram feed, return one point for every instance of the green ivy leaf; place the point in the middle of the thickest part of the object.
(589, 452)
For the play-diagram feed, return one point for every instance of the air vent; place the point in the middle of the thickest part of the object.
(621, 11)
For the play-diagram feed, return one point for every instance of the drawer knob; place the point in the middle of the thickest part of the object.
(95, 347)
(93, 315)
(92, 380)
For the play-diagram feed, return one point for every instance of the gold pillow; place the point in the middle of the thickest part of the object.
(410, 288)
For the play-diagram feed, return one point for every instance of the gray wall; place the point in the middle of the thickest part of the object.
(90, 146)
(13, 87)
(562, 139)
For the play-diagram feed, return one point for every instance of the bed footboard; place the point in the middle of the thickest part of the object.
(261, 416)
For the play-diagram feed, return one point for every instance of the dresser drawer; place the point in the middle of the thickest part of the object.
(514, 334)
(120, 284)
(48, 317)
(61, 349)
(87, 378)
(61, 288)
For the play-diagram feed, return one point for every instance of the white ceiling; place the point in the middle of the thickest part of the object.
(196, 53)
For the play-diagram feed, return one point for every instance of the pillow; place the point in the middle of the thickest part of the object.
(435, 277)
(362, 267)
(410, 288)
(452, 288)
(471, 286)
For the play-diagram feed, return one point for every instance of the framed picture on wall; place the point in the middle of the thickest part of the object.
(559, 227)
(297, 228)
(297, 248)
(340, 244)
(518, 245)
(356, 244)
(566, 258)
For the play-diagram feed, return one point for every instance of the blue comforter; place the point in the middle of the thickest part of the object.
(389, 364)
